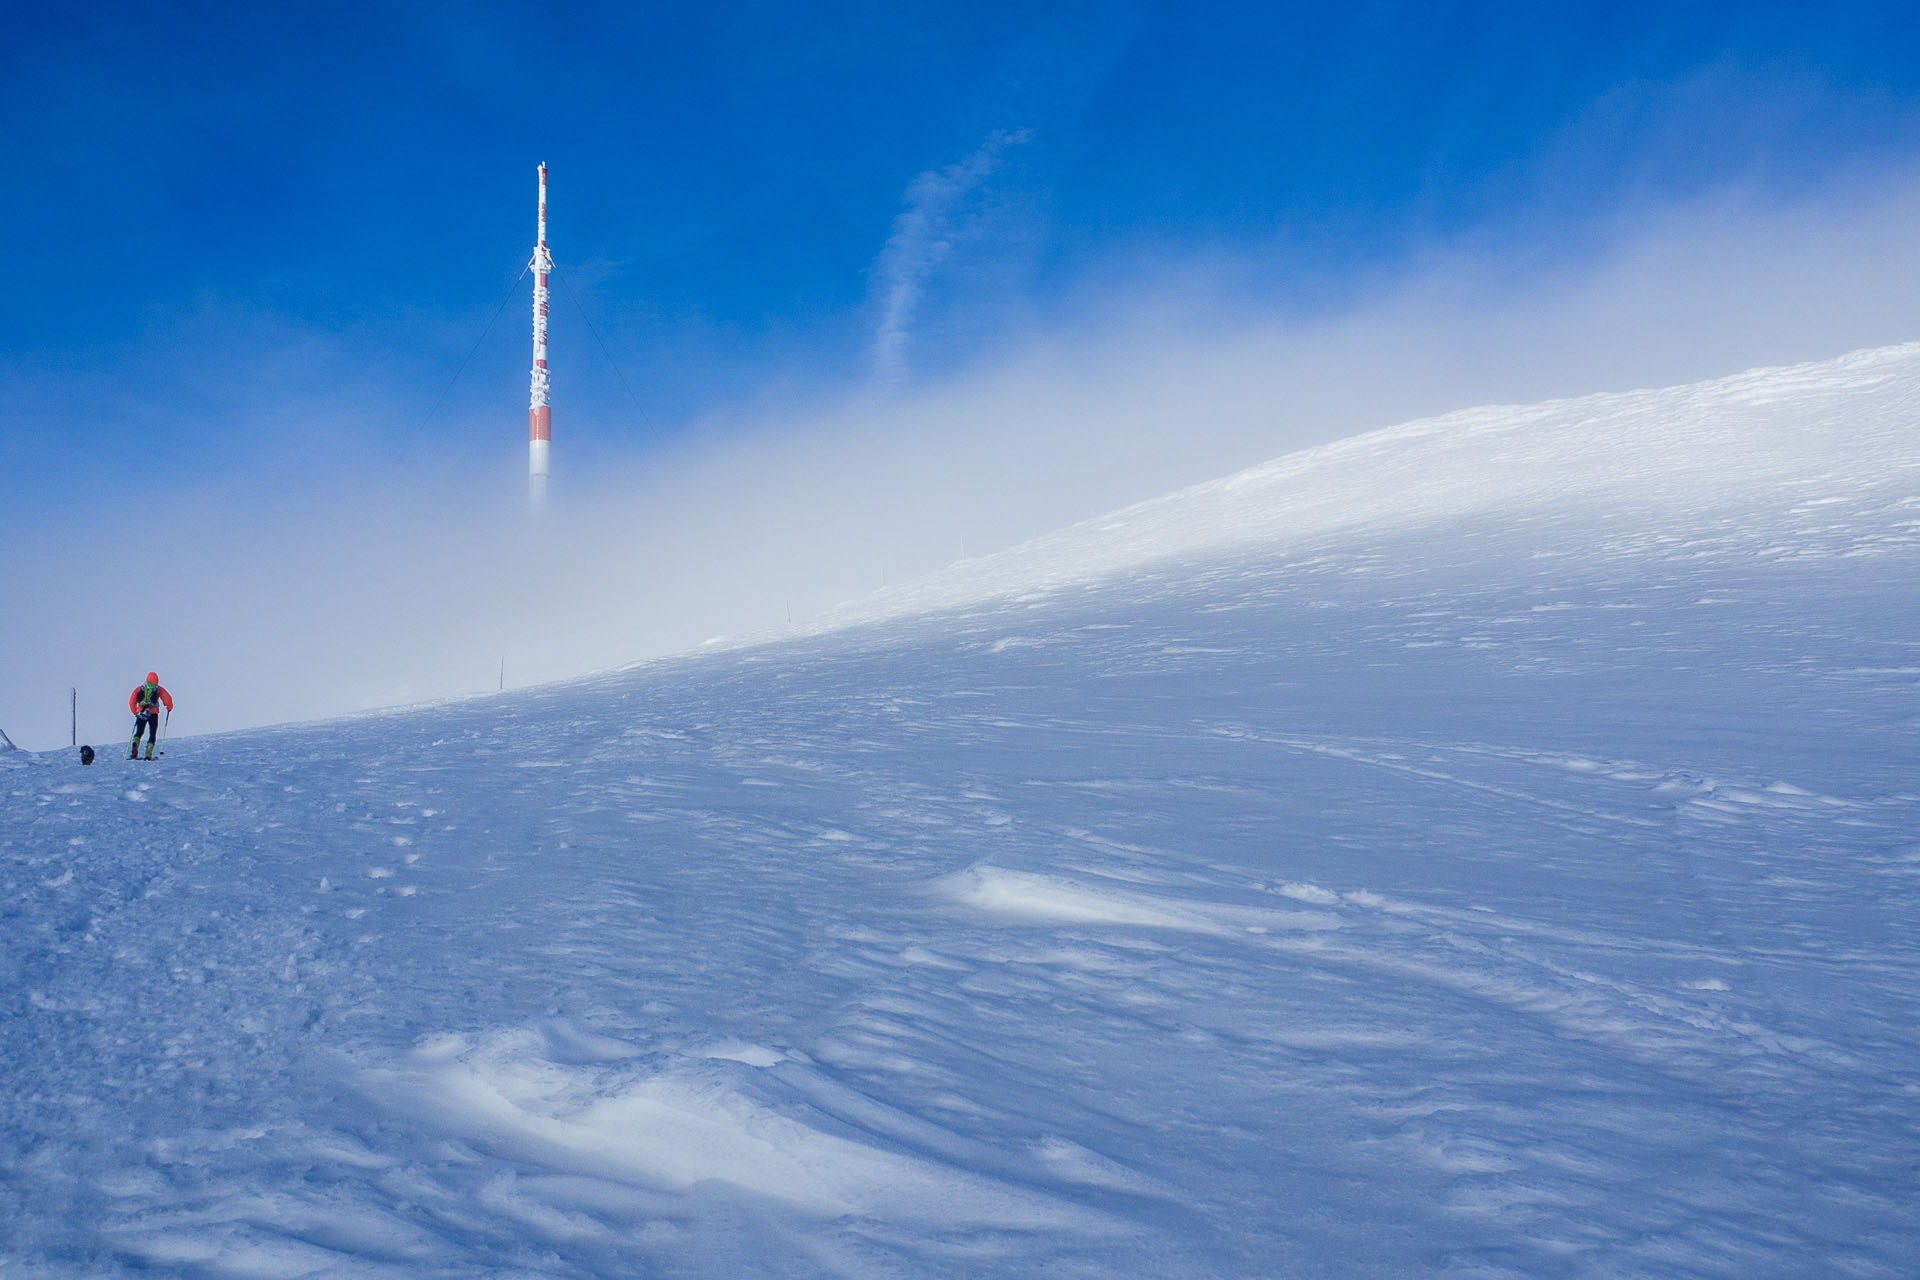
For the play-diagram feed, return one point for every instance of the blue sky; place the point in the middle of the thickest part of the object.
(233, 204)
(254, 243)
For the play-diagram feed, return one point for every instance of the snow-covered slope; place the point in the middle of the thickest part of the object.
(1485, 847)
(1753, 444)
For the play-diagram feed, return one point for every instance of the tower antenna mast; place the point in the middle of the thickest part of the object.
(539, 416)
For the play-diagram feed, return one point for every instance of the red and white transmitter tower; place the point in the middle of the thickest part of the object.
(539, 416)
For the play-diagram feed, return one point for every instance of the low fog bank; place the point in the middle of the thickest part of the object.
(359, 592)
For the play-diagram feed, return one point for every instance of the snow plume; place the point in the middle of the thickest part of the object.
(921, 240)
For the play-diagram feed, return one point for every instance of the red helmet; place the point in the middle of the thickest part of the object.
(153, 677)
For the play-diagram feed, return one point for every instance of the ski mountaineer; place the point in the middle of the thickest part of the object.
(145, 702)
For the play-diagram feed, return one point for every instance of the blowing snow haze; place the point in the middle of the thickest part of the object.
(347, 588)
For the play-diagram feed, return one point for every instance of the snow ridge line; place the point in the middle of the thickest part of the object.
(1739, 441)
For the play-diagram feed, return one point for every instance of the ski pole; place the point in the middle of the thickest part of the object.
(167, 720)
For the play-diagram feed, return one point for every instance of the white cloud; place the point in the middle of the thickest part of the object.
(920, 242)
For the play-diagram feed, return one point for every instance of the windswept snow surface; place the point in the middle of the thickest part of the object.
(1489, 847)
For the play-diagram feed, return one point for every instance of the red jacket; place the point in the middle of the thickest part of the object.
(160, 695)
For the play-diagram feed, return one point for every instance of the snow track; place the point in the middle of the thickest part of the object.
(1497, 895)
